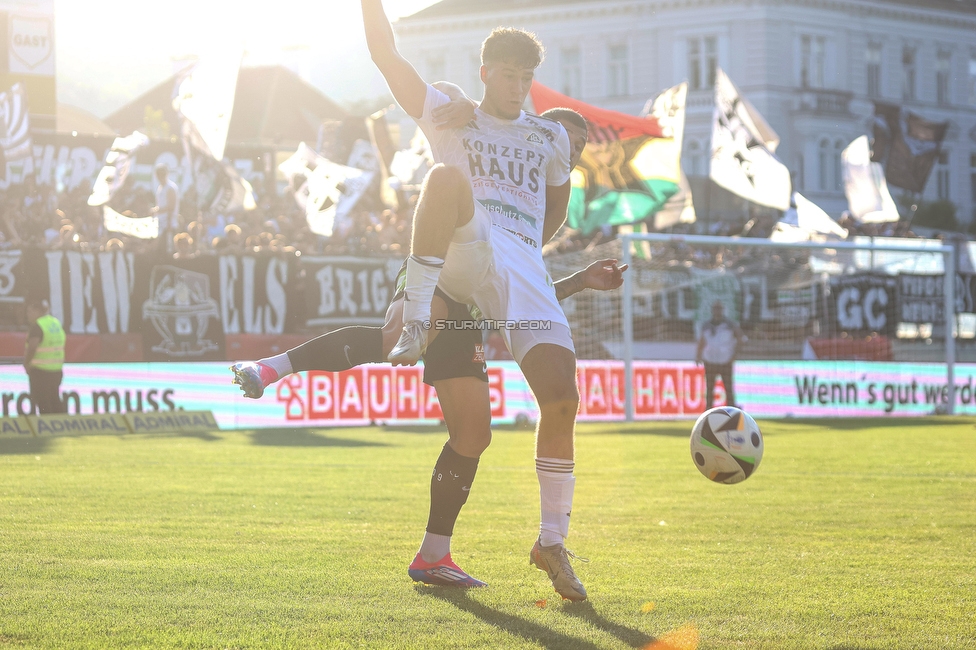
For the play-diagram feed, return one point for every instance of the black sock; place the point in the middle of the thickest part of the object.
(339, 350)
(449, 485)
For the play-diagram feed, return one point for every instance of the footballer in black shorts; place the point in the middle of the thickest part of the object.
(455, 352)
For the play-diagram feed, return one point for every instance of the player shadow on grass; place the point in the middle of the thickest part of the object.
(586, 612)
(288, 437)
(25, 445)
(533, 632)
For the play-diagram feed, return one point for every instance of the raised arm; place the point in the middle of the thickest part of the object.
(408, 87)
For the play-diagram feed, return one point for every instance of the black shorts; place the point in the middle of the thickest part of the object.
(455, 352)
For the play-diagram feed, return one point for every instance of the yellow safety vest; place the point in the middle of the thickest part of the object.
(50, 352)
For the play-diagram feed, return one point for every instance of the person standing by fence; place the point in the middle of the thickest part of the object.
(717, 345)
(44, 358)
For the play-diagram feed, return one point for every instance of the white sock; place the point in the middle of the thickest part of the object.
(280, 363)
(434, 547)
(556, 483)
(418, 291)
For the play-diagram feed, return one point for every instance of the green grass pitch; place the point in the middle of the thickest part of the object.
(853, 534)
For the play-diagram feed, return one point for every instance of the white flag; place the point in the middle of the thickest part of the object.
(15, 138)
(864, 184)
(204, 100)
(668, 109)
(333, 191)
(118, 162)
(138, 227)
(680, 208)
(806, 221)
(329, 191)
(743, 143)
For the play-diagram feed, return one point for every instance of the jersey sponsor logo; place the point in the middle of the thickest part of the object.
(522, 238)
(510, 211)
(537, 120)
(534, 138)
(479, 353)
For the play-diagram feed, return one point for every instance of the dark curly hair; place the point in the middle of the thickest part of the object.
(512, 45)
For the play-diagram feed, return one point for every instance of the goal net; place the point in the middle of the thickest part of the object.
(854, 328)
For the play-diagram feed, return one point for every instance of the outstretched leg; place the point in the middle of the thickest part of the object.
(336, 351)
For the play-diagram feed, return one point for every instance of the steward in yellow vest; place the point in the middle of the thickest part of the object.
(44, 358)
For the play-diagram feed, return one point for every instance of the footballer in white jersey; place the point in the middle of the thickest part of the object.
(495, 262)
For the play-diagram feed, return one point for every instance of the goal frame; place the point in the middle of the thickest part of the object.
(627, 239)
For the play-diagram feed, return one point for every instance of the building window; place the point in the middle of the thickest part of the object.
(823, 166)
(972, 182)
(694, 159)
(874, 69)
(908, 72)
(798, 182)
(571, 72)
(618, 75)
(436, 68)
(813, 53)
(943, 66)
(838, 168)
(942, 177)
(702, 62)
(972, 79)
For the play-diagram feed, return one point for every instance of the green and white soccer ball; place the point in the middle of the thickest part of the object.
(726, 445)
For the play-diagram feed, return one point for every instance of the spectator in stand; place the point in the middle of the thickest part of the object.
(167, 208)
(114, 244)
(233, 239)
(717, 346)
(196, 232)
(185, 248)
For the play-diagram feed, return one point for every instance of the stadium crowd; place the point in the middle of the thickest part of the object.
(37, 216)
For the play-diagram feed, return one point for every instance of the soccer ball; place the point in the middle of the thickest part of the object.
(726, 445)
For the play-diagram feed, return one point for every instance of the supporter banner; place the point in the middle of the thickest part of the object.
(65, 161)
(921, 298)
(863, 304)
(383, 394)
(180, 314)
(686, 296)
(118, 292)
(348, 290)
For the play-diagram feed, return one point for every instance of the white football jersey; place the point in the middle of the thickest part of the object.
(509, 162)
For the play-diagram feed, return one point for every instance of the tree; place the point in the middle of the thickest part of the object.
(938, 215)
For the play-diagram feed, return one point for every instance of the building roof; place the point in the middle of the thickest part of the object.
(449, 8)
(273, 107)
(71, 119)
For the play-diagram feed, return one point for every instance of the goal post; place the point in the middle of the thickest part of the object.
(861, 324)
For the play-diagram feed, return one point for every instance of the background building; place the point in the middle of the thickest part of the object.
(812, 67)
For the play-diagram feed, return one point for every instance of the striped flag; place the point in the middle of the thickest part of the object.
(620, 179)
(15, 139)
